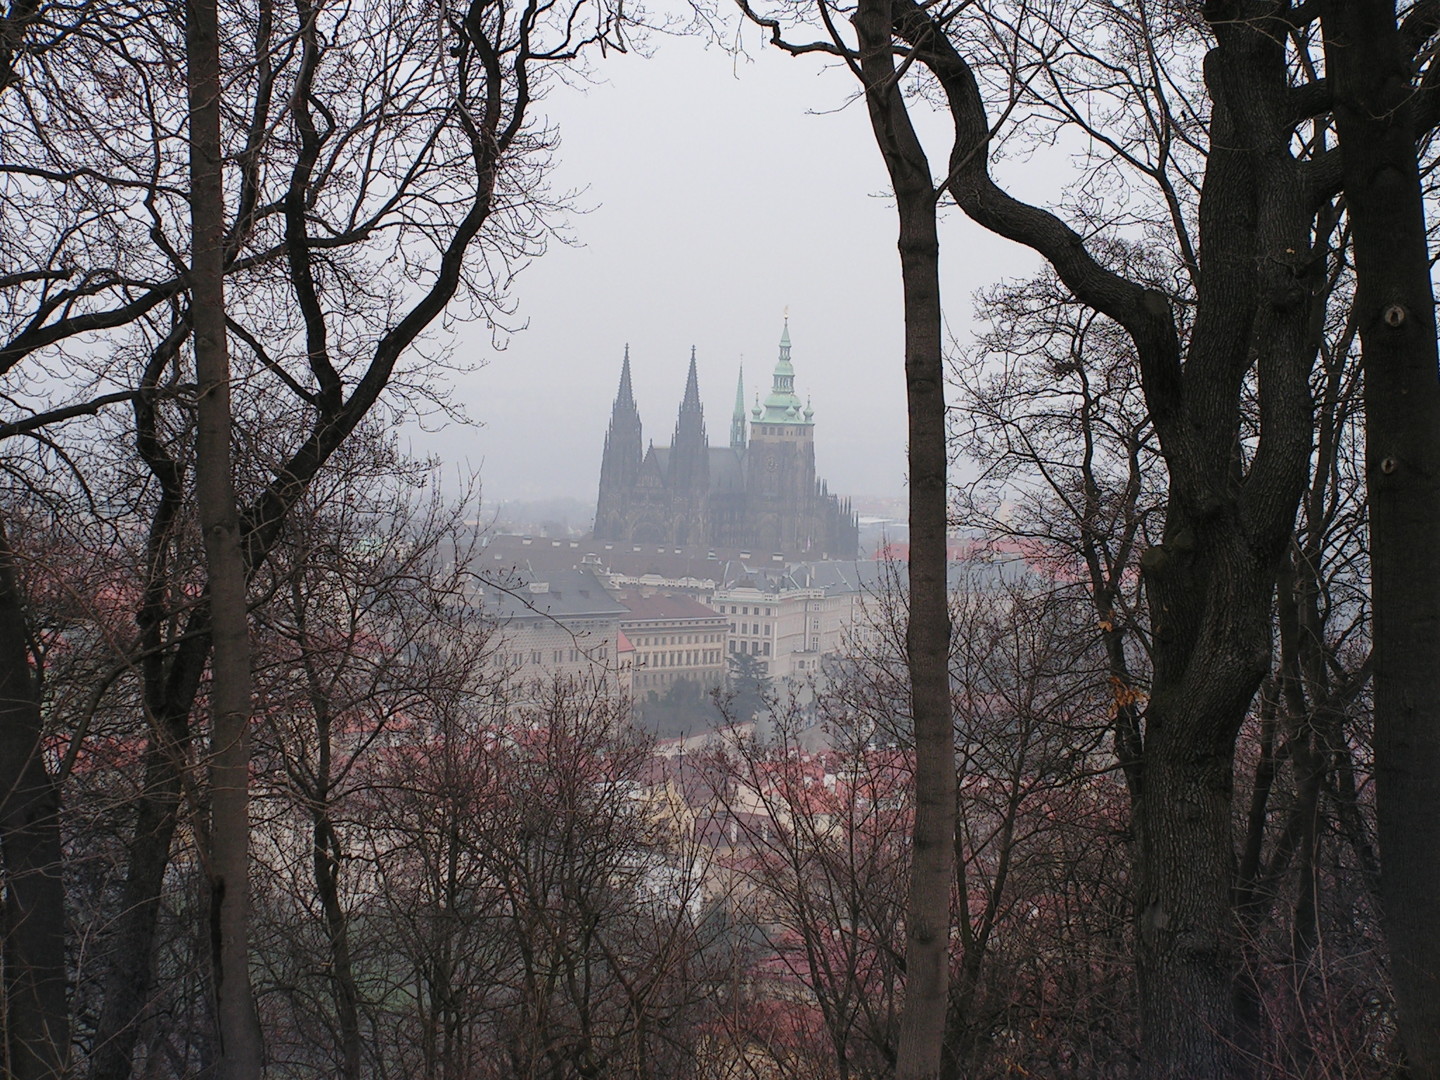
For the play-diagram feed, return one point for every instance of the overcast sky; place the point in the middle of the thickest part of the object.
(721, 193)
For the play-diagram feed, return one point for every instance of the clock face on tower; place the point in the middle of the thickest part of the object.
(771, 463)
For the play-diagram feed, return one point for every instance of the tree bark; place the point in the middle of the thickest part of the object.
(927, 635)
(238, 1025)
(37, 1029)
(1374, 101)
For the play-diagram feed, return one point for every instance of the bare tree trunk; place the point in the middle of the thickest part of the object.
(326, 858)
(241, 1052)
(169, 695)
(1395, 305)
(37, 1029)
(326, 850)
(127, 987)
(927, 636)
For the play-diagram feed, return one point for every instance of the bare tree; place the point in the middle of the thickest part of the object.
(1052, 413)
(547, 918)
(1245, 182)
(375, 168)
(368, 624)
(815, 844)
(871, 60)
(1039, 899)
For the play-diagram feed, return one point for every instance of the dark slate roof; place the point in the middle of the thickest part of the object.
(837, 576)
(726, 467)
(727, 471)
(531, 556)
(560, 594)
(541, 555)
(528, 555)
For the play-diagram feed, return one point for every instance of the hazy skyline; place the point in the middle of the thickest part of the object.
(720, 193)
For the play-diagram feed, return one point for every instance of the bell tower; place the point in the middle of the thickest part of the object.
(780, 459)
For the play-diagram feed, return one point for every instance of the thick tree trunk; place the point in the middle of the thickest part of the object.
(1210, 584)
(927, 638)
(238, 1025)
(1395, 309)
(1187, 948)
(37, 1029)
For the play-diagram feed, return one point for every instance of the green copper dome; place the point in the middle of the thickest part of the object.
(782, 405)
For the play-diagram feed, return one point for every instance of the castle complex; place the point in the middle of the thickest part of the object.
(760, 493)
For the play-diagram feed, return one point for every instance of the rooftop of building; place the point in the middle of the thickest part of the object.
(539, 555)
(512, 593)
(663, 568)
(664, 607)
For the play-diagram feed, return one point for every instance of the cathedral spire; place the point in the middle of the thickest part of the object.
(737, 418)
(625, 395)
(692, 386)
(689, 449)
(620, 463)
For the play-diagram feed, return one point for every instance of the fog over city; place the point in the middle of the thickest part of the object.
(719, 192)
(415, 663)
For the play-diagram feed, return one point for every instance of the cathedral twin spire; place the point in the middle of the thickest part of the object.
(625, 393)
(689, 446)
(666, 495)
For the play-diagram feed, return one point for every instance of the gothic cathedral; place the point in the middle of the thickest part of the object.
(759, 494)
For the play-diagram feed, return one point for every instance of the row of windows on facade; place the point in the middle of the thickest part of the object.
(657, 679)
(754, 628)
(745, 610)
(599, 654)
(681, 658)
(754, 650)
(676, 639)
(750, 628)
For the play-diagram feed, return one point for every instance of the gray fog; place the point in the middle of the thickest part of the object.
(717, 194)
